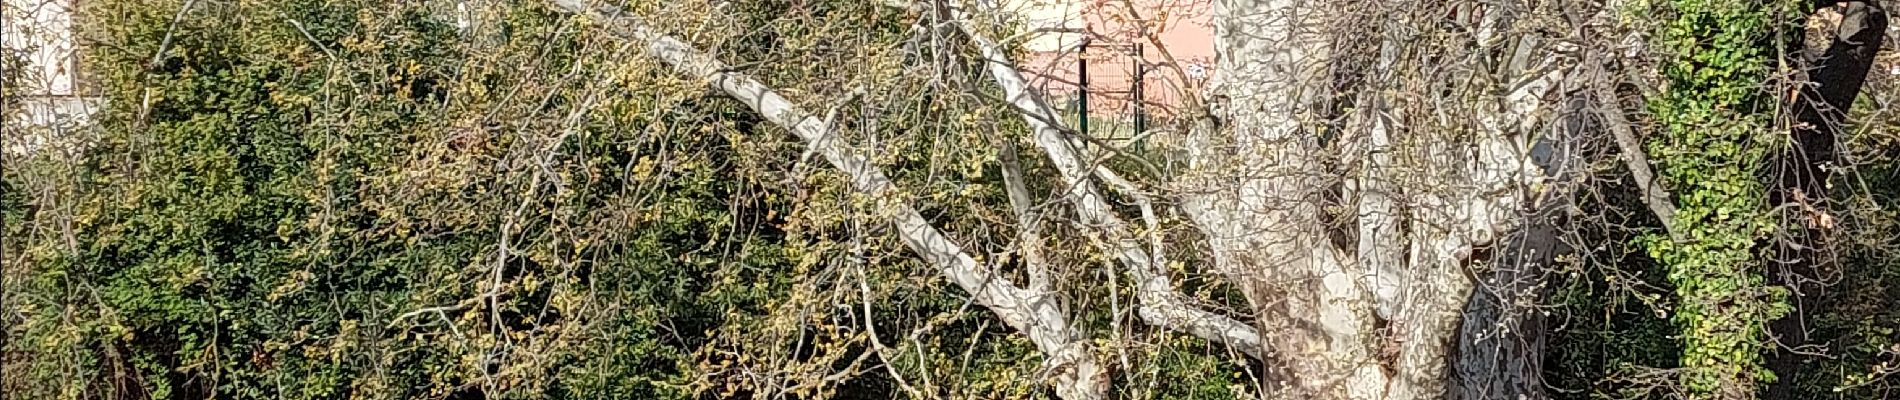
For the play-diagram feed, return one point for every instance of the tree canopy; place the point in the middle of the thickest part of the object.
(863, 200)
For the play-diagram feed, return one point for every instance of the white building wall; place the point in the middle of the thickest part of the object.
(42, 30)
(1049, 14)
(53, 99)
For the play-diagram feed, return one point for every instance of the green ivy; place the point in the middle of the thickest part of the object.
(1715, 117)
(303, 199)
(267, 203)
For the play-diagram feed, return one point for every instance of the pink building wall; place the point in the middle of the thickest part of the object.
(1183, 27)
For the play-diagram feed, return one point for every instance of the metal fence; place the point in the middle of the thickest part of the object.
(1113, 91)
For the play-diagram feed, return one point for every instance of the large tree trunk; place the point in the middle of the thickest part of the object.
(1834, 79)
(1257, 197)
(1427, 198)
(1501, 342)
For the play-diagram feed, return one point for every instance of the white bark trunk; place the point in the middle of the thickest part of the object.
(1382, 243)
(1480, 195)
(1259, 201)
(1452, 193)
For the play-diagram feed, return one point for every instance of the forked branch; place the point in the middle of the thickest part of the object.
(1075, 370)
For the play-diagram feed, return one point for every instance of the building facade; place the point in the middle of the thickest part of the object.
(1110, 40)
(48, 95)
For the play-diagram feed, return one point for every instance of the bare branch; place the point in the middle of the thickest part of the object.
(1161, 304)
(1028, 221)
(1630, 150)
(1077, 374)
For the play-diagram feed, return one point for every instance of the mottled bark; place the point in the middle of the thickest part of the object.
(1501, 342)
(1427, 199)
(1256, 196)
(1500, 348)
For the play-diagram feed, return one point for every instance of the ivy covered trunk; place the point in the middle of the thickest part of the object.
(1715, 141)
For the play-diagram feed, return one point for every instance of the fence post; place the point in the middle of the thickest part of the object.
(1082, 102)
(1141, 111)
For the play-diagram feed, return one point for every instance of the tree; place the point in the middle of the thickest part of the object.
(1388, 191)
(1254, 192)
(1425, 204)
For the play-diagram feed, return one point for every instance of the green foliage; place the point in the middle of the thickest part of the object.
(359, 199)
(1716, 136)
(323, 199)
(1610, 330)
